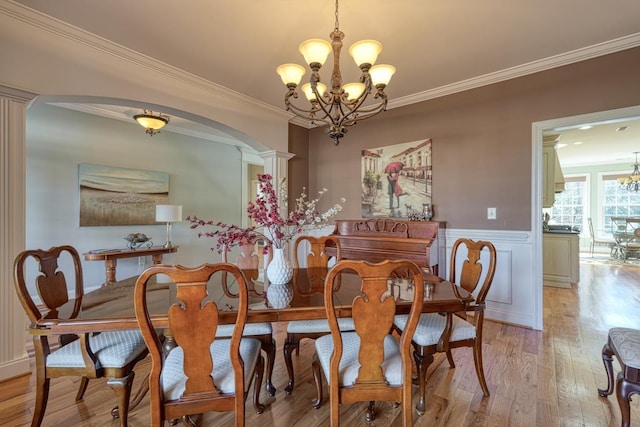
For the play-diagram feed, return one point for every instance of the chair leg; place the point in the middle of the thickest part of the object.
(259, 408)
(270, 349)
(84, 382)
(42, 395)
(623, 393)
(122, 387)
(452, 364)
(371, 411)
(477, 360)
(607, 360)
(288, 348)
(422, 364)
(315, 368)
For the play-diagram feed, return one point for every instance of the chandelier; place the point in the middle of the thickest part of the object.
(632, 182)
(339, 106)
(151, 122)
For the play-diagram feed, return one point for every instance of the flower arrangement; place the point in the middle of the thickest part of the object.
(274, 229)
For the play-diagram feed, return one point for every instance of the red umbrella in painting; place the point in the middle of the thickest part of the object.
(393, 167)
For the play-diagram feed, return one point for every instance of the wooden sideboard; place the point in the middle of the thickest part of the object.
(375, 240)
(111, 257)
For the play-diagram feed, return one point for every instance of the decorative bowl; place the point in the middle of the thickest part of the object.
(138, 240)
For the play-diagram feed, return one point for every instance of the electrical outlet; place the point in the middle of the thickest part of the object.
(491, 213)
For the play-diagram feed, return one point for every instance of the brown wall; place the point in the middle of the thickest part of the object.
(481, 139)
(298, 166)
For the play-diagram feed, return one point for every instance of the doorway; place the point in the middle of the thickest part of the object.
(538, 129)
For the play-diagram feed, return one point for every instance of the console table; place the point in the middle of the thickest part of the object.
(111, 256)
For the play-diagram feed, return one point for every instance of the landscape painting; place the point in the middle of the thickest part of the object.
(396, 179)
(119, 196)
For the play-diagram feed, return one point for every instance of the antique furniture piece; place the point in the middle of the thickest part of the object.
(594, 241)
(439, 333)
(204, 372)
(111, 257)
(317, 261)
(376, 240)
(248, 261)
(368, 364)
(624, 344)
(109, 354)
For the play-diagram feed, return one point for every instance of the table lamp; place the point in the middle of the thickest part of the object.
(168, 214)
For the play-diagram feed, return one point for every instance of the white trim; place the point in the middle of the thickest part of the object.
(600, 49)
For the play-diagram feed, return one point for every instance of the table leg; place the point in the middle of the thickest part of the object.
(110, 269)
(157, 259)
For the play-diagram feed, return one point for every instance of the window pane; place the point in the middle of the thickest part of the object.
(568, 208)
(618, 202)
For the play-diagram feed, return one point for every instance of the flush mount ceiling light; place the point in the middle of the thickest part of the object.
(632, 182)
(151, 121)
(338, 106)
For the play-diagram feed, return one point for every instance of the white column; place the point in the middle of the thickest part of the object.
(13, 356)
(276, 165)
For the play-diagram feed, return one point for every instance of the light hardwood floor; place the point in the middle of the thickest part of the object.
(536, 378)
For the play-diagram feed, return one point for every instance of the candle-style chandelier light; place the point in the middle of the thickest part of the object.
(339, 106)
(632, 182)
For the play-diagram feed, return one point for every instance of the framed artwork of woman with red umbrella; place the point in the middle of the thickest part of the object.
(407, 168)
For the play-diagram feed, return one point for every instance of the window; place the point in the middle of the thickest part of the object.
(617, 201)
(569, 205)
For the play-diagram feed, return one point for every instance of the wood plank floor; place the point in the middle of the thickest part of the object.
(536, 378)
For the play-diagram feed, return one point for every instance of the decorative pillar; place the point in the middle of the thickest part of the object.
(276, 165)
(14, 360)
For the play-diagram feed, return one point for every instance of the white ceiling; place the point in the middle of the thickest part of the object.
(438, 47)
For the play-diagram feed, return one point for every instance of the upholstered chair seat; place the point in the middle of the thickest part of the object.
(112, 350)
(174, 380)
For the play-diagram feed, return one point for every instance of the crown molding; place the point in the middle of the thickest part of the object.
(67, 31)
(600, 49)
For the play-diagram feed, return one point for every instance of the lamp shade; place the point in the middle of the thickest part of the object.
(168, 213)
(149, 121)
(354, 90)
(291, 73)
(381, 74)
(365, 51)
(308, 92)
(315, 51)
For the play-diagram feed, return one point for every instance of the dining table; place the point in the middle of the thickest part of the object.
(111, 307)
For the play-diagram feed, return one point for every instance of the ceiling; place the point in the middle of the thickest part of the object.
(438, 47)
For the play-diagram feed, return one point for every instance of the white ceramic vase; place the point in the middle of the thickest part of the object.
(279, 270)
(279, 296)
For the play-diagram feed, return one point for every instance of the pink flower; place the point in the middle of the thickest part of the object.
(273, 229)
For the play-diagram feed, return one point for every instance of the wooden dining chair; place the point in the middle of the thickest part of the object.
(368, 364)
(624, 344)
(465, 328)
(107, 354)
(317, 268)
(204, 372)
(249, 262)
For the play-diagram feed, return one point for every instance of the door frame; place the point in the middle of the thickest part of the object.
(537, 130)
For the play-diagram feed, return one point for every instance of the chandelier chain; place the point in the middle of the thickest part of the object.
(337, 23)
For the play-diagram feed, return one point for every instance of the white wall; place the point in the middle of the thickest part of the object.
(205, 178)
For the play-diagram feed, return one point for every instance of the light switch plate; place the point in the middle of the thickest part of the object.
(491, 213)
